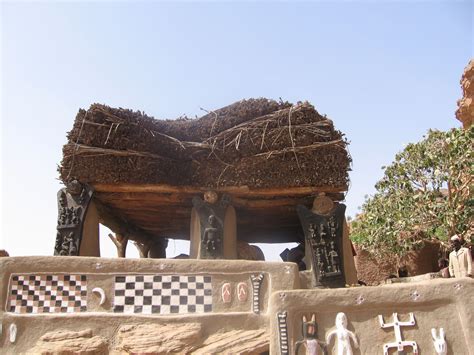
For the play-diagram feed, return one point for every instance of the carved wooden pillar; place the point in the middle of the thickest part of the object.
(143, 248)
(158, 248)
(323, 228)
(90, 243)
(77, 228)
(120, 242)
(213, 228)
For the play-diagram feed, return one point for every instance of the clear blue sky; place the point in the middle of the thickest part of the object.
(385, 72)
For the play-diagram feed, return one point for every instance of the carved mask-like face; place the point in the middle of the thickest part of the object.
(74, 187)
(322, 205)
(212, 220)
(210, 197)
(309, 327)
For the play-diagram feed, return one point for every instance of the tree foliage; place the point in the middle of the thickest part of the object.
(423, 195)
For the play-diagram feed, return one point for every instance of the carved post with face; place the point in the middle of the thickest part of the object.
(213, 224)
(323, 229)
(73, 204)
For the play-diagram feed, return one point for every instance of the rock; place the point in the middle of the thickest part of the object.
(374, 271)
(246, 251)
(3, 253)
(465, 111)
(158, 338)
(236, 342)
(70, 342)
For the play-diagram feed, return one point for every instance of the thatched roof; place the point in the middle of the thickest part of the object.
(258, 150)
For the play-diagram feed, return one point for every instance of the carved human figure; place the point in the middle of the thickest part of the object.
(59, 241)
(439, 342)
(312, 232)
(62, 199)
(335, 261)
(72, 244)
(73, 202)
(211, 219)
(332, 227)
(76, 215)
(310, 341)
(322, 232)
(343, 336)
(319, 260)
(211, 238)
(68, 246)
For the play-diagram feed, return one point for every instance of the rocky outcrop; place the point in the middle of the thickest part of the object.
(236, 342)
(374, 271)
(70, 342)
(180, 338)
(465, 111)
(3, 253)
(187, 338)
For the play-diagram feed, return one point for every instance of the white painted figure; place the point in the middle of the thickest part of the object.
(343, 336)
(399, 343)
(439, 342)
(101, 293)
(13, 331)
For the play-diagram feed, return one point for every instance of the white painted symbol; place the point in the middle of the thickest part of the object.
(242, 291)
(256, 284)
(439, 342)
(283, 333)
(360, 299)
(226, 295)
(13, 331)
(399, 343)
(101, 293)
(457, 287)
(415, 295)
(343, 336)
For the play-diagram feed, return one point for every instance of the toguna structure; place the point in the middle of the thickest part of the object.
(257, 171)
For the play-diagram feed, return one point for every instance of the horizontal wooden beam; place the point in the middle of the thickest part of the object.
(234, 190)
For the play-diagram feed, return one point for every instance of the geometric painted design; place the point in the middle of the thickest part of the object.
(256, 284)
(283, 333)
(163, 294)
(48, 294)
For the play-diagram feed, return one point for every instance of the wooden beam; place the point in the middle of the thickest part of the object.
(234, 190)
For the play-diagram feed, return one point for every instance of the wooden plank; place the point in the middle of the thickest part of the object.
(235, 190)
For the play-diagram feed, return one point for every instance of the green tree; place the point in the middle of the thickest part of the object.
(424, 195)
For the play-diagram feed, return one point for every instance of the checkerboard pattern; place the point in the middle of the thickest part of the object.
(48, 294)
(163, 294)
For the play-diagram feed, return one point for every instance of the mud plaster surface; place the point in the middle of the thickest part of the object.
(228, 317)
(445, 303)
